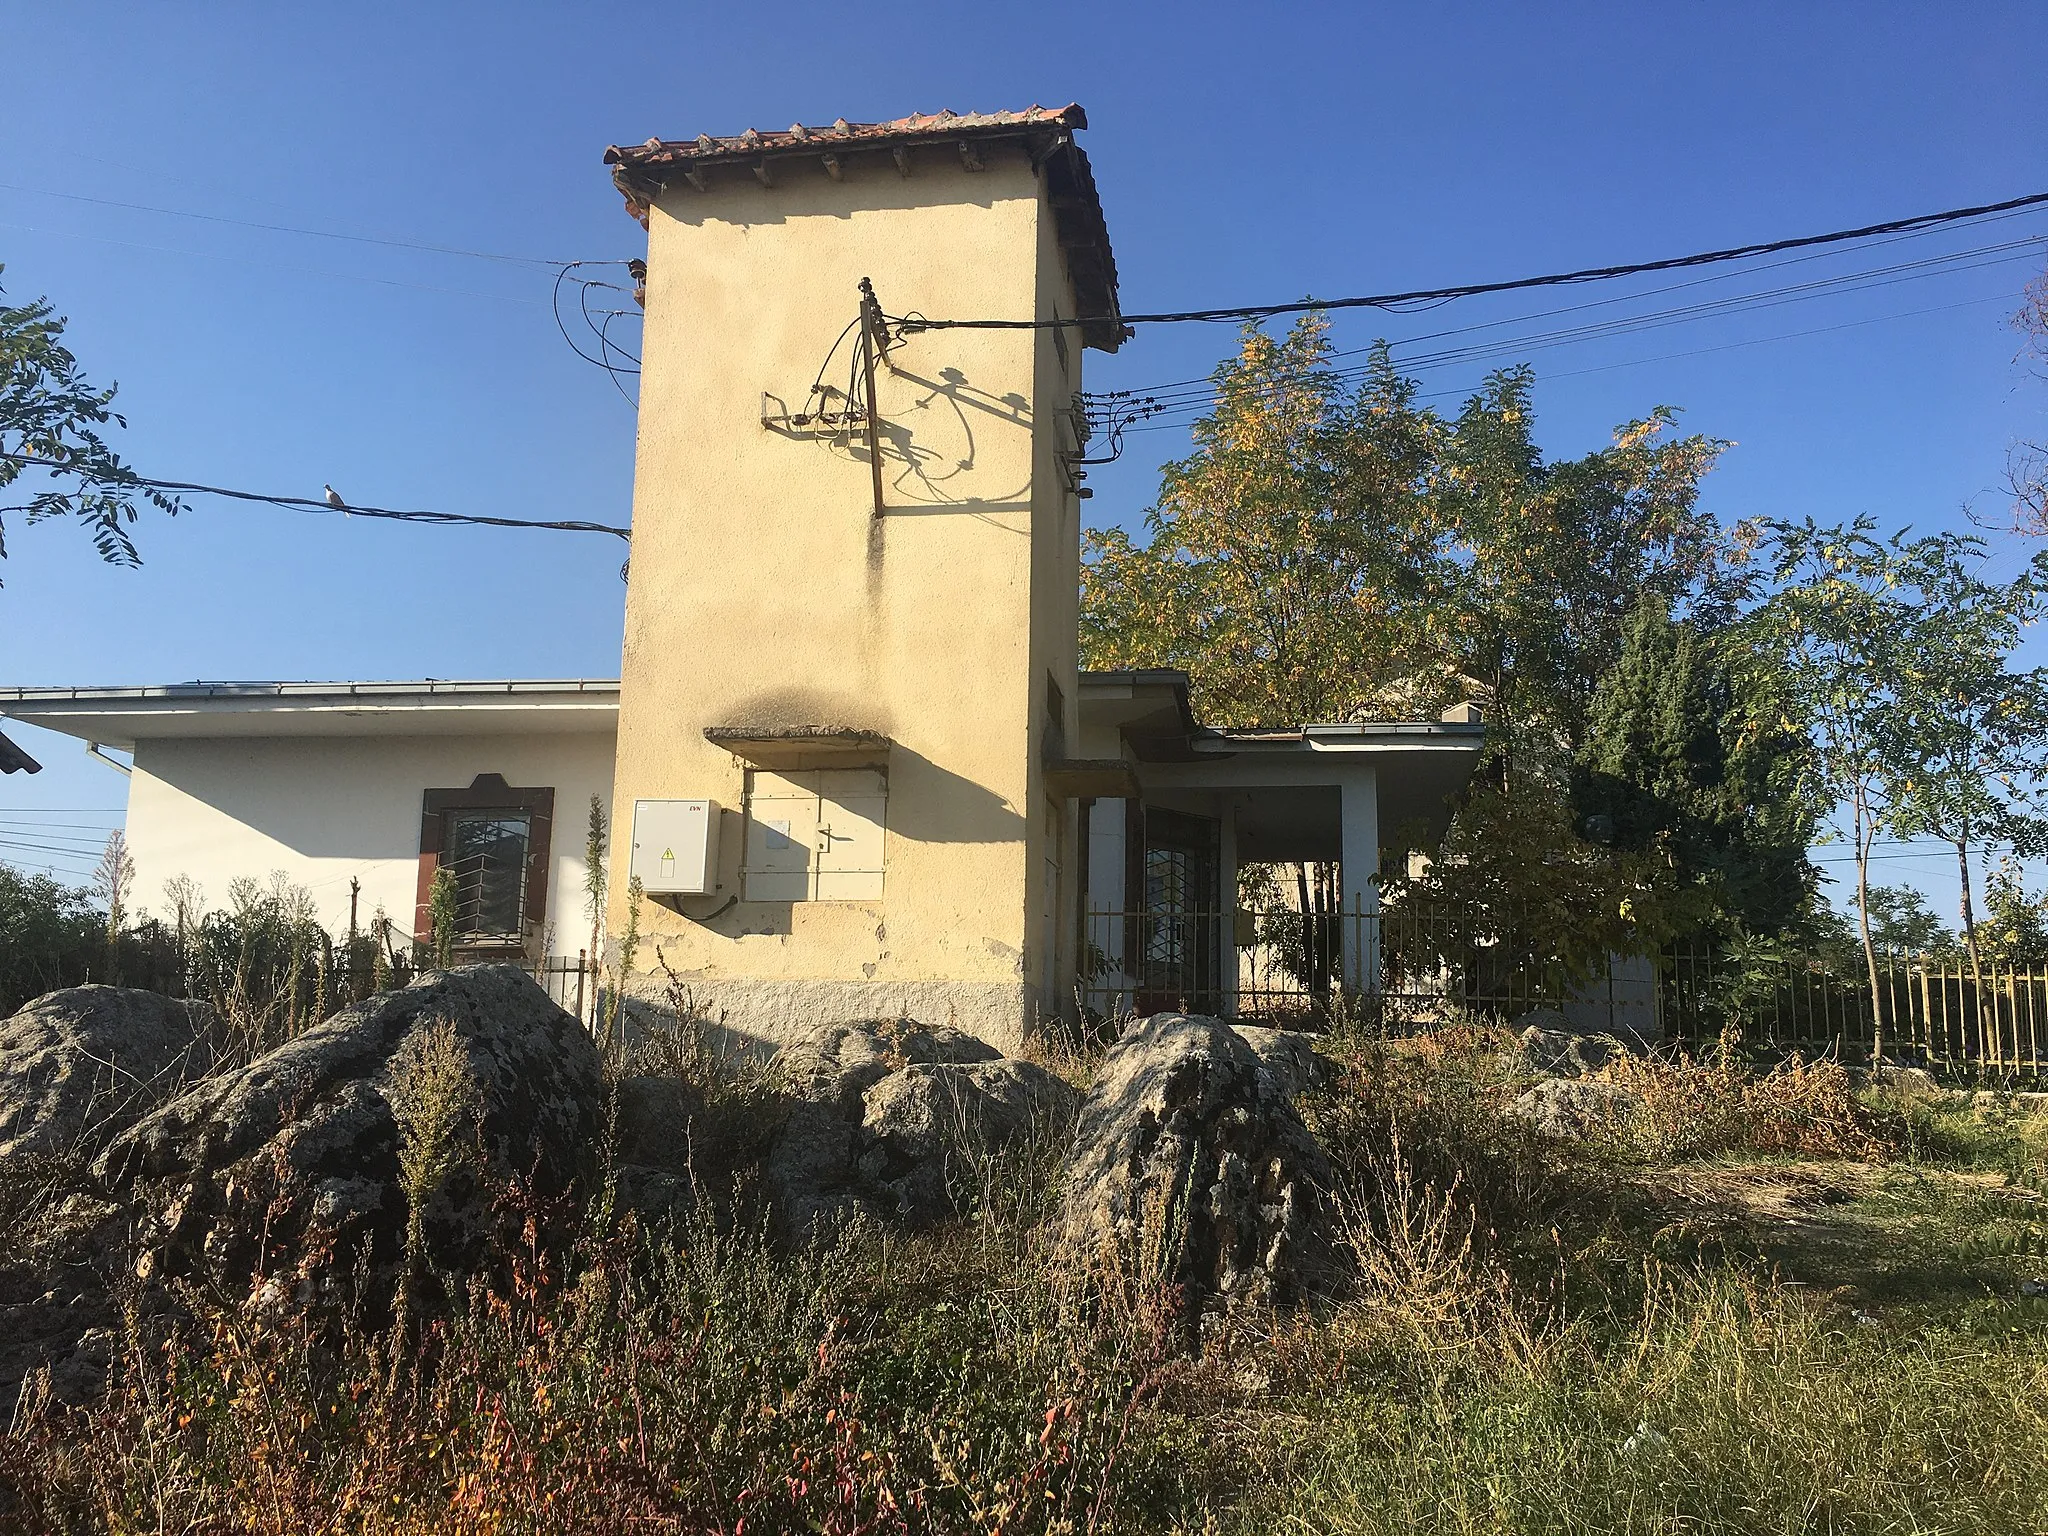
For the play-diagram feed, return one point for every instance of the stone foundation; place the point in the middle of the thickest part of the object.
(771, 1011)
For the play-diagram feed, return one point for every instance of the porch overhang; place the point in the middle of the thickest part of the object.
(1092, 778)
(791, 747)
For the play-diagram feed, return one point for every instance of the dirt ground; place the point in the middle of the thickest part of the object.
(1867, 1235)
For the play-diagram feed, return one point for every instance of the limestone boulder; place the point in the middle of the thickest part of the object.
(81, 1065)
(1290, 1056)
(838, 1063)
(1560, 1053)
(291, 1162)
(891, 1118)
(1191, 1165)
(928, 1127)
(1575, 1109)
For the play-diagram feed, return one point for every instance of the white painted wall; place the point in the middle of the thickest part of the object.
(323, 809)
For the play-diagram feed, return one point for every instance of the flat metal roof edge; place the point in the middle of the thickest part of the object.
(1341, 737)
(255, 693)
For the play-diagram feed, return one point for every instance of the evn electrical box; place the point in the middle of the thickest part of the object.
(675, 846)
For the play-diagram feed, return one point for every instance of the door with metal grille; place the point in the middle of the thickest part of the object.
(1180, 941)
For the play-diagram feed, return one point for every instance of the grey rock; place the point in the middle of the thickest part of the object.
(1564, 1053)
(1573, 1109)
(890, 1114)
(658, 1197)
(838, 1063)
(657, 1122)
(1290, 1056)
(292, 1160)
(810, 1170)
(79, 1376)
(1190, 1163)
(924, 1126)
(1912, 1082)
(656, 1147)
(80, 1065)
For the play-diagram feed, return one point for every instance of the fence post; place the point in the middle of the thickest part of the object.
(1361, 941)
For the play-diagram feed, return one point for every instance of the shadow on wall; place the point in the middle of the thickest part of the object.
(800, 708)
(932, 804)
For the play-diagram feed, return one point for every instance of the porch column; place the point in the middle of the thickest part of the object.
(1359, 810)
(1226, 915)
(1105, 903)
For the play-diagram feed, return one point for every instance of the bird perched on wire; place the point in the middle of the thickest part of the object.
(334, 498)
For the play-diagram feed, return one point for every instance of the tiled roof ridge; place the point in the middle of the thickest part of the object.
(803, 136)
(643, 171)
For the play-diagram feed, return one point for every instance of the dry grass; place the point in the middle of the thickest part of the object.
(1521, 1343)
(1705, 1108)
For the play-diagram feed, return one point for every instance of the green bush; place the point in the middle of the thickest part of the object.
(51, 936)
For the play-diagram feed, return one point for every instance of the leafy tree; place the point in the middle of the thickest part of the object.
(442, 917)
(1976, 733)
(1519, 905)
(1876, 646)
(2027, 465)
(1901, 922)
(2015, 927)
(1288, 562)
(50, 438)
(596, 842)
(1331, 552)
(113, 879)
(1685, 754)
(1551, 561)
(51, 936)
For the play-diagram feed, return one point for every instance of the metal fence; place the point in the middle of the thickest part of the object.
(1287, 964)
(1936, 1010)
(1412, 969)
(571, 980)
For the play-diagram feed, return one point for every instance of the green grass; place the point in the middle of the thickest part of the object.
(1728, 1405)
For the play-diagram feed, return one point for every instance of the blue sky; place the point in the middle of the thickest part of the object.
(1243, 153)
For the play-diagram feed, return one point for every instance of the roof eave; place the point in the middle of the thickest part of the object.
(643, 172)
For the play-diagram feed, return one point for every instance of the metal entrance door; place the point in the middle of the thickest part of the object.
(1179, 945)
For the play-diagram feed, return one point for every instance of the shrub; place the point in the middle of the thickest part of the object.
(1695, 1108)
(51, 936)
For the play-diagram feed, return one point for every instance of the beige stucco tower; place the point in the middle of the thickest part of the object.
(866, 660)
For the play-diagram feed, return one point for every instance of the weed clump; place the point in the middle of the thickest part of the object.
(1705, 1108)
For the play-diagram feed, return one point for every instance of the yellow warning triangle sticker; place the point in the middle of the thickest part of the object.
(668, 853)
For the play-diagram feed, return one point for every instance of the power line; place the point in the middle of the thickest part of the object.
(48, 869)
(52, 849)
(1629, 298)
(306, 504)
(1726, 346)
(49, 834)
(1179, 397)
(1417, 296)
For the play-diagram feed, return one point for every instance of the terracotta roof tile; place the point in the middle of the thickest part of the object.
(919, 125)
(643, 171)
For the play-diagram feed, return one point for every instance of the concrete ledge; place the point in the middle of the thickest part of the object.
(772, 1011)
